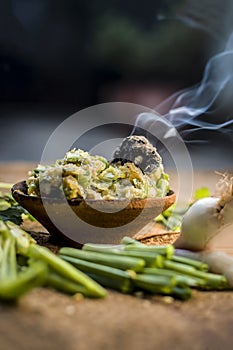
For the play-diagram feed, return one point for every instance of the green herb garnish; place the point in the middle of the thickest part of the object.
(10, 209)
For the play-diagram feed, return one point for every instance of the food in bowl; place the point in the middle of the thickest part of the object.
(136, 171)
(106, 200)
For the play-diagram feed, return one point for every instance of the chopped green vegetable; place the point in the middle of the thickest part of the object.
(65, 269)
(183, 293)
(123, 285)
(128, 267)
(119, 262)
(213, 281)
(30, 277)
(107, 276)
(182, 279)
(82, 175)
(91, 267)
(63, 284)
(170, 275)
(155, 283)
(24, 265)
(152, 259)
(166, 251)
(195, 263)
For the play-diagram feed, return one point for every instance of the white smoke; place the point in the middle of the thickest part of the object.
(193, 102)
(192, 109)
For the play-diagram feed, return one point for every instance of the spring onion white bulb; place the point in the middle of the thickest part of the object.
(207, 217)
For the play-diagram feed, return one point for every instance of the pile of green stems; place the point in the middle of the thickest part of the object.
(25, 265)
(132, 267)
(128, 267)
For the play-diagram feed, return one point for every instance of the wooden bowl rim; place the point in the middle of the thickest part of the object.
(20, 188)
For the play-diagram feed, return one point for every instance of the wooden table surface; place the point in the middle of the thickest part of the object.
(45, 319)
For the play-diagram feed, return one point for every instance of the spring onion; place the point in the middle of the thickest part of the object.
(207, 217)
(29, 278)
(63, 284)
(24, 265)
(171, 274)
(120, 262)
(214, 281)
(151, 258)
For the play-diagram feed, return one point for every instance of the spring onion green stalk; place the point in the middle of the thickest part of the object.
(182, 279)
(123, 285)
(58, 282)
(103, 248)
(9, 264)
(31, 277)
(195, 263)
(128, 240)
(119, 262)
(173, 276)
(25, 245)
(65, 269)
(22, 238)
(3, 230)
(8, 267)
(133, 244)
(167, 251)
(155, 283)
(183, 293)
(126, 281)
(207, 217)
(151, 258)
(218, 262)
(214, 281)
(102, 270)
(5, 257)
(107, 276)
(165, 285)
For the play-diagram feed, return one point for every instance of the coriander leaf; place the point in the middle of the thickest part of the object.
(13, 214)
(10, 209)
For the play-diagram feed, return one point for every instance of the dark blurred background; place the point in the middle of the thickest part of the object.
(57, 57)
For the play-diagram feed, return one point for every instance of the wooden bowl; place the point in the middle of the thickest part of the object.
(92, 221)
